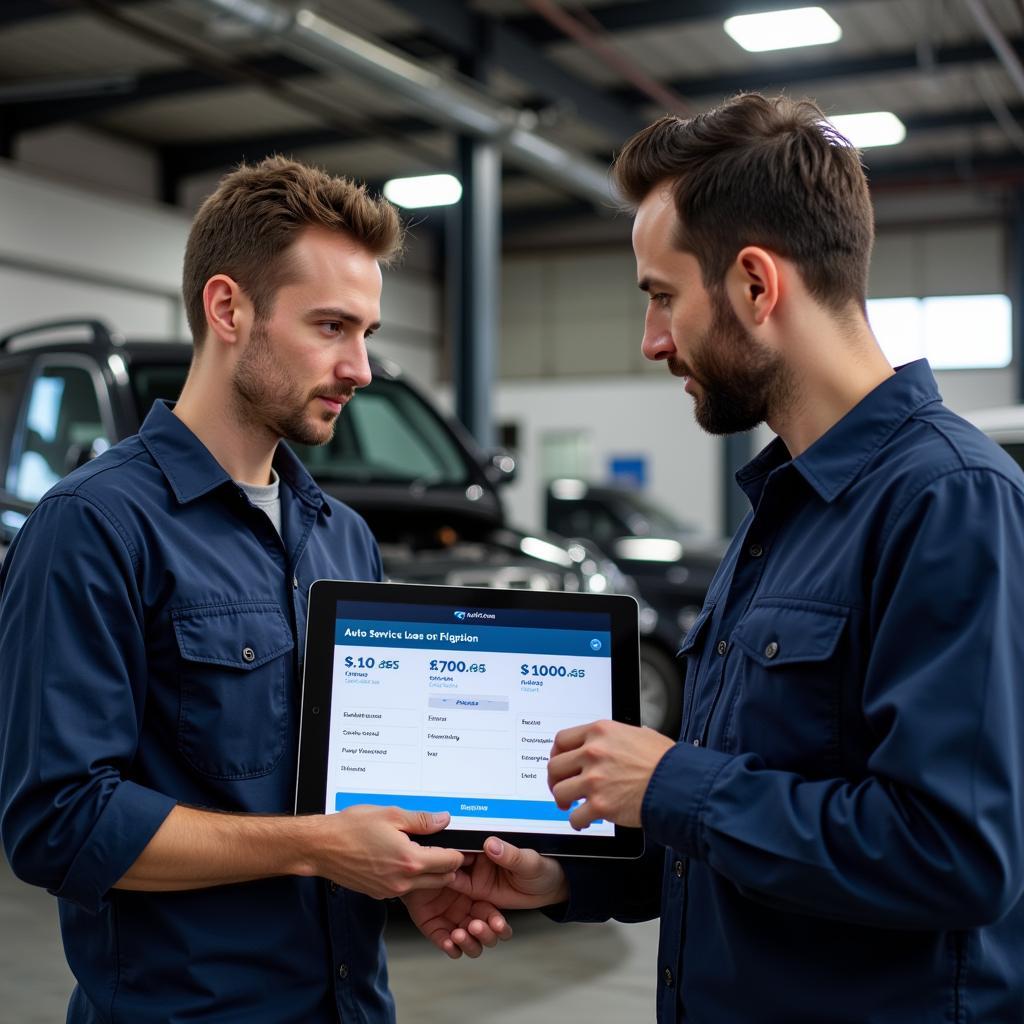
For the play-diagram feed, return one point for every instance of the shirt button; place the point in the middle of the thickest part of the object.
(678, 868)
(248, 654)
(343, 971)
(667, 975)
(721, 648)
(295, 583)
(332, 886)
(755, 550)
(696, 743)
(771, 650)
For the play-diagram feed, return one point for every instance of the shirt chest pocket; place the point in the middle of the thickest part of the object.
(233, 672)
(788, 681)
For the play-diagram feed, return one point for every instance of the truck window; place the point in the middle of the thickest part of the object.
(62, 424)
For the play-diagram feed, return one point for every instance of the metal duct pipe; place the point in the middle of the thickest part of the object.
(451, 104)
(1004, 51)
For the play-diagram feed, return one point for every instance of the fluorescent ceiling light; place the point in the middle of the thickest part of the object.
(425, 190)
(880, 128)
(782, 30)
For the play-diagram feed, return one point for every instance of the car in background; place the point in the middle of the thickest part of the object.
(671, 562)
(1005, 425)
(70, 389)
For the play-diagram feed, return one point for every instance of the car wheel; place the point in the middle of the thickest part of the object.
(661, 690)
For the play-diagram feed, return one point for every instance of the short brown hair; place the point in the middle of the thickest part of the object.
(758, 171)
(244, 229)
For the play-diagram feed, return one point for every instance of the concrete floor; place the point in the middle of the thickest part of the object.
(572, 974)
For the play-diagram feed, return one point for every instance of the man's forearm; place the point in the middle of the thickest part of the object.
(195, 849)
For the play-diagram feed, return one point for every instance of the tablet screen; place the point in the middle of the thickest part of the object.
(448, 708)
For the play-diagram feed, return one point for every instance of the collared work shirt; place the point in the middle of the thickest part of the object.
(843, 815)
(151, 632)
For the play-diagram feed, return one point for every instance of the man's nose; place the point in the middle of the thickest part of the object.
(657, 343)
(355, 367)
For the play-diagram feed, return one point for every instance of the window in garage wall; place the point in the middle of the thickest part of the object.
(954, 332)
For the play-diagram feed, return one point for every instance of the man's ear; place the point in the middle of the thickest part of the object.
(227, 309)
(754, 285)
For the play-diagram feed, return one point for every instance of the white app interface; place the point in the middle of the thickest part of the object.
(450, 709)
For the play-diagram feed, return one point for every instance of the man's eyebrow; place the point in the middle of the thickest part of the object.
(645, 284)
(335, 313)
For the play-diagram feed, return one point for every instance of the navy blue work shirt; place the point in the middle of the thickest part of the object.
(151, 631)
(843, 816)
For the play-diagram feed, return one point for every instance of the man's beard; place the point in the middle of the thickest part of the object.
(742, 383)
(265, 396)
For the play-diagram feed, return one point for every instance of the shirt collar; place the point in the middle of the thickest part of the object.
(836, 459)
(191, 469)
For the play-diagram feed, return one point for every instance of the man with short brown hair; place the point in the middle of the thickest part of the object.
(152, 617)
(838, 834)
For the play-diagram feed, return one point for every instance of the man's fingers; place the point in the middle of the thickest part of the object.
(564, 766)
(568, 791)
(495, 920)
(582, 817)
(466, 942)
(432, 880)
(423, 823)
(525, 863)
(569, 739)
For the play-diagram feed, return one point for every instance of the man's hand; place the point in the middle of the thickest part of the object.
(513, 879)
(368, 849)
(455, 922)
(608, 765)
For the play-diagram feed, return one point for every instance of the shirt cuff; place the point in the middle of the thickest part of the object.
(128, 822)
(673, 806)
(591, 884)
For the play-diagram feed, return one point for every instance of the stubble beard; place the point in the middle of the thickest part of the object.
(266, 398)
(742, 383)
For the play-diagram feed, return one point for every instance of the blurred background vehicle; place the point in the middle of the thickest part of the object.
(671, 562)
(1005, 425)
(70, 389)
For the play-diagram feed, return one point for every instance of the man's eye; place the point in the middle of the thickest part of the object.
(660, 298)
(332, 326)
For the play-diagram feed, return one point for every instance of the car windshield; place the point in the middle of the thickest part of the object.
(387, 434)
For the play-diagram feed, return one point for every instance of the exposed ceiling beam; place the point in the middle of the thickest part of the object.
(15, 12)
(458, 27)
(153, 85)
(996, 169)
(787, 74)
(182, 160)
(645, 14)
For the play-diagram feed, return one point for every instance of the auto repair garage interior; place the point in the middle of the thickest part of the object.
(515, 310)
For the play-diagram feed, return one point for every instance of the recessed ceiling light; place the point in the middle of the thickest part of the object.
(425, 190)
(879, 128)
(782, 30)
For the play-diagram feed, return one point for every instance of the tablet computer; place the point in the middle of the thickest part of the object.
(449, 698)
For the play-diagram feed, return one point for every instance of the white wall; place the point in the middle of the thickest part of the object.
(570, 359)
(625, 417)
(73, 251)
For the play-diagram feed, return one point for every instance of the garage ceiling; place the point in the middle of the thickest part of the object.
(203, 90)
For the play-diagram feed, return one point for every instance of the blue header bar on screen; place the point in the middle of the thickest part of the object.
(501, 639)
(461, 616)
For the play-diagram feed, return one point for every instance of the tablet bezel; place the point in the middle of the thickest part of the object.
(317, 687)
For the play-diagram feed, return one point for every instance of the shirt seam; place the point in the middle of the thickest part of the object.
(897, 513)
(109, 516)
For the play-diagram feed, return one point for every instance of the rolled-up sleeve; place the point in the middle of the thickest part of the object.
(72, 696)
(933, 835)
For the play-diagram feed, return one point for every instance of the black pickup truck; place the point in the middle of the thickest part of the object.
(70, 389)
